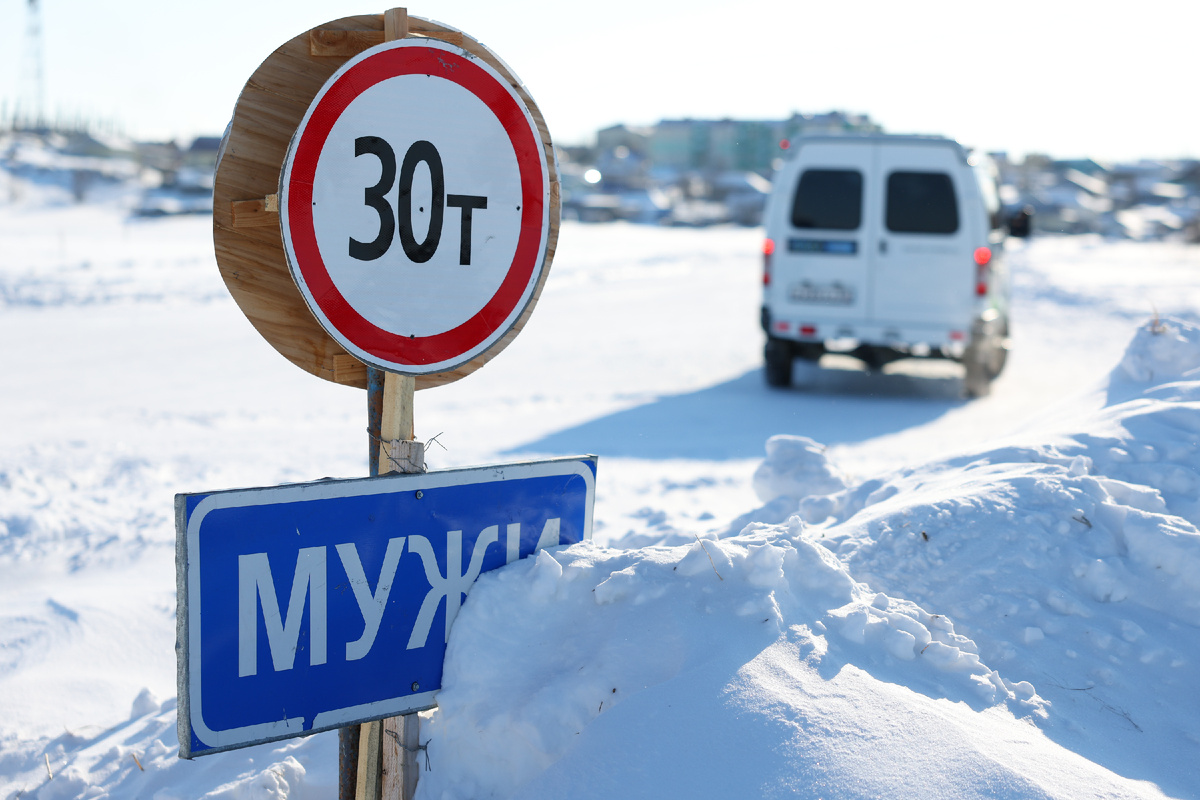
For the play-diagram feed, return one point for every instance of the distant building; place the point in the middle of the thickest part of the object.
(743, 145)
(203, 150)
(832, 123)
(634, 139)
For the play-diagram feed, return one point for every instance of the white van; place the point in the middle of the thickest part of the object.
(885, 247)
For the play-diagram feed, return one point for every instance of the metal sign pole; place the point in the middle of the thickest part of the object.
(348, 737)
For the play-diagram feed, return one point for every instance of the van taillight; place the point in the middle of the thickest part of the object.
(983, 257)
(768, 251)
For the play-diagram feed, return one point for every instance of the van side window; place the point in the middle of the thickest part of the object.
(828, 199)
(921, 202)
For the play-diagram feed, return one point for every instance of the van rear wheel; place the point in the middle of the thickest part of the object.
(778, 357)
(985, 357)
(1000, 352)
(976, 382)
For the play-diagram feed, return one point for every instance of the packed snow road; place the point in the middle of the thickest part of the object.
(131, 375)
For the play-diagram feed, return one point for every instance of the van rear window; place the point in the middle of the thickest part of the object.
(828, 199)
(921, 202)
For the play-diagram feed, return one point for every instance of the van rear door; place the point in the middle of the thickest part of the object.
(822, 266)
(921, 275)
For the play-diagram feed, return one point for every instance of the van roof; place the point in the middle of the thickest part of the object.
(874, 138)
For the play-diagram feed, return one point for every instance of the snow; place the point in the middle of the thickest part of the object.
(861, 587)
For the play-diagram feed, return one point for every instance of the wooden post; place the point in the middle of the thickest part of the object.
(395, 24)
(368, 783)
(399, 452)
(400, 762)
(383, 765)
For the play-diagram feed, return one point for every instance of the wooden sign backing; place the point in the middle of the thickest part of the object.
(246, 228)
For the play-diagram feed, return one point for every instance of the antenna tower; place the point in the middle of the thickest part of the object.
(31, 111)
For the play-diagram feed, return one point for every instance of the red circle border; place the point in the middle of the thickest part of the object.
(389, 348)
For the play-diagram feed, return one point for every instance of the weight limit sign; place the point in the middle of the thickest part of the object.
(415, 207)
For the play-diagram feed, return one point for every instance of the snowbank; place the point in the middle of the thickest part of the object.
(1028, 613)
(1163, 350)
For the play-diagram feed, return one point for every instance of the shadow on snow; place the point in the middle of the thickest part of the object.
(733, 420)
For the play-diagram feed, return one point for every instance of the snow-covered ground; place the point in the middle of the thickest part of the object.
(862, 587)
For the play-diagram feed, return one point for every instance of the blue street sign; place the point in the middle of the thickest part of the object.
(319, 605)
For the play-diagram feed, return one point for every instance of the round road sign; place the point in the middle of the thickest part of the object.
(415, 206)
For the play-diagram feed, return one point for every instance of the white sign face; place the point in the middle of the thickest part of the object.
(415, 206)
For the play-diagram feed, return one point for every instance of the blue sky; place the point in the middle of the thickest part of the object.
(1107, 80)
